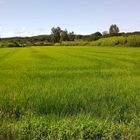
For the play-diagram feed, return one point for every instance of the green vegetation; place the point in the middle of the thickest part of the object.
(114, 30)
(70, 93)
(10, 44)
(60, 37)
(131, 41)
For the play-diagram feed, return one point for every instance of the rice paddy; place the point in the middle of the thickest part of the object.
(70, 93)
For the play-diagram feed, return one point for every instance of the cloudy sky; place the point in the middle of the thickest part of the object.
(33, 17)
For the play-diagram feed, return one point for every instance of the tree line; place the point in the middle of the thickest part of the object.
(59, 35)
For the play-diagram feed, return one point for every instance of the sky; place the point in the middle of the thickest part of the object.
(37, 17)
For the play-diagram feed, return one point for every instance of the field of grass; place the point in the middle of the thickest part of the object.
(70, 93)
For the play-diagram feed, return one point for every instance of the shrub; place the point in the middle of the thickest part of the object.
(132, 41)
(10, 44)
(84, 128)
(72, 43)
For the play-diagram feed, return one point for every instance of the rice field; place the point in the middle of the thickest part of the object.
(50, 93)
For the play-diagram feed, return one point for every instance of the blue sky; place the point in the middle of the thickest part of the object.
(33, 17)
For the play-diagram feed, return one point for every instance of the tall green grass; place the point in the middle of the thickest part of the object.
(131, 41)
(70, 93)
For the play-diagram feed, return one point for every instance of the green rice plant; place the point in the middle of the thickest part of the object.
(70, 92)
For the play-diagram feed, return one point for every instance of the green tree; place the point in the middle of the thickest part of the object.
(64, 36)
(78, 37)
(92, 37)
(97, 35)
(114, 30)
(71, 36)
(56, 34)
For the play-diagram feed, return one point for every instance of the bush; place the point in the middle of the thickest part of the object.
(72, 43)
(132, 41)
(84, 128)
(57, 44)
(10, 44)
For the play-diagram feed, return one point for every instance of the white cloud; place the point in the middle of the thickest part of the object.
(22, 32)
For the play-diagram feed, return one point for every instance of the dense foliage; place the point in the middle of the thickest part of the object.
(131, 41)
(114, 30)
(74, 128)
(70, 39)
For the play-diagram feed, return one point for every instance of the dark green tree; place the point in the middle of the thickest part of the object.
(78, 37)
(114, 30)
(56, 34)
(97, 35)
(64, 36)
(71, 36)
(92, 37)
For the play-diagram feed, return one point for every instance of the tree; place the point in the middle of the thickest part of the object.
(71, 36)
(97, 35)
(64, 35)
(114, 30)
(92, 37)
(78, 37)
(56, 34)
